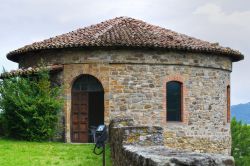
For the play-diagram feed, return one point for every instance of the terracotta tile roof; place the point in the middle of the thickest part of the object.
(29, 71)
(127, 32)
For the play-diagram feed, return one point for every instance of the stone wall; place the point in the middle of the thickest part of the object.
(138, 92)
(127, 56)
(142, 146)
(134, 82)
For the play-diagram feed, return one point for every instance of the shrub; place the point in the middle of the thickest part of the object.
(240, 143)
(30, 107)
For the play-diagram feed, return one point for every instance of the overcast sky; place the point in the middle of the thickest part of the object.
(224, 21)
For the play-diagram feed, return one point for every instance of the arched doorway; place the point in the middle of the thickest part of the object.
(87, 107)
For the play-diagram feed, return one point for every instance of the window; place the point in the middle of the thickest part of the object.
(228, 103)
(174, 101)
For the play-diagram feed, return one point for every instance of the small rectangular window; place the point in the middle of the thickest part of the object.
(228, 104)
(174, 101)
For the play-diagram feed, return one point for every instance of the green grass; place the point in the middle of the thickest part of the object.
(21, 153)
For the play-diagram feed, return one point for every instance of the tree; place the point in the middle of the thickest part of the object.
(30, 106)
(240, 142)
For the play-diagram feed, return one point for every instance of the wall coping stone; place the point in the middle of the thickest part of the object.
(162, 156)
(143, 146)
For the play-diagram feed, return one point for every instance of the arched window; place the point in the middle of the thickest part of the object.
(228, 103)
(174, 101)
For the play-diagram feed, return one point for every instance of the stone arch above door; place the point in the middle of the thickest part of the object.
(70, 75)
(87, 83)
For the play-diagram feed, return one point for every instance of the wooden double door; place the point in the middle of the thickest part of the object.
(87, 107)
(87, 110)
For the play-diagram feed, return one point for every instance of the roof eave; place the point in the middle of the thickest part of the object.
(14, 56)
(237, 58)
(30, 71)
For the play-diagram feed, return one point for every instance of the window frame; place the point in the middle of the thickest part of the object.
(228, 103)
(181, 101)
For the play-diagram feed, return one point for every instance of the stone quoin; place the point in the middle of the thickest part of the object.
(124, 68)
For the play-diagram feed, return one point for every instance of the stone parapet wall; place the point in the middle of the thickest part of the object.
(129, 148)
(122, 131)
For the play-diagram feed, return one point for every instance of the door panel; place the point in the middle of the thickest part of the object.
(79, 117)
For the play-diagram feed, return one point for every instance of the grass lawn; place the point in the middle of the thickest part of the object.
(21, 153)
